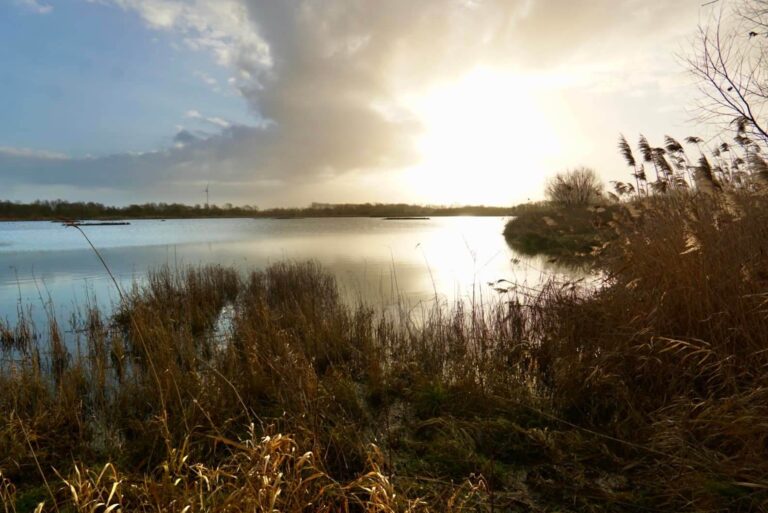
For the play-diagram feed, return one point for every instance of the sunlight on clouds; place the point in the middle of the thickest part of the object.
(439, 101)
(488, 138)
(222, 27)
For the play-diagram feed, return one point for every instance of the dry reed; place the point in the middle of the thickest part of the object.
(646, 394)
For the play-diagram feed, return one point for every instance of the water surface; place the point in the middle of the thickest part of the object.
(375, 260)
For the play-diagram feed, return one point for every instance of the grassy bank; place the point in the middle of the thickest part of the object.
(647, 394)
(568, 233)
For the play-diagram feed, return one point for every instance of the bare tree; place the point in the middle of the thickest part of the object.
(731, 63)
(577, 187)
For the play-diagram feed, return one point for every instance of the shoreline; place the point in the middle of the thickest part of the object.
(276, 218)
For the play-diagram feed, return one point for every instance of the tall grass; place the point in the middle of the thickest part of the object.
(213, 391)
(716, 165)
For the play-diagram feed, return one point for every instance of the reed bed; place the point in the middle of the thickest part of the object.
(645, 394)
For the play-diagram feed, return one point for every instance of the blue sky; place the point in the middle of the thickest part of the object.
(90, 79)
(285, 102)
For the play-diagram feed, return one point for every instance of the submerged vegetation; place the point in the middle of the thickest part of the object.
(213, 391)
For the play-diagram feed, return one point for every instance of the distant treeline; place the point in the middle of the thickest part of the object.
(60, 210)
(383, 210)
(65, 210)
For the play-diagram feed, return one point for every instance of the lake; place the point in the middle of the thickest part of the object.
(375, 260)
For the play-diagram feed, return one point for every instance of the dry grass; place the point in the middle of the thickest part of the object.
(648, 394)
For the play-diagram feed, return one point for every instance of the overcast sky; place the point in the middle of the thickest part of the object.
(283, 102)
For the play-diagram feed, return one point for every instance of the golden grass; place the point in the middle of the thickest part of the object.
(647, 394)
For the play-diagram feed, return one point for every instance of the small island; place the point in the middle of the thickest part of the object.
(571, 225)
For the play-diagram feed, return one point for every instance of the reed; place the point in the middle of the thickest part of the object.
(716, 165)
(270, 393)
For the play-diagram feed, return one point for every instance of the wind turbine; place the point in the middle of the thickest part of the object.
(206, 194)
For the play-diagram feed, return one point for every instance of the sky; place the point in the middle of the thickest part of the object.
(286, 102)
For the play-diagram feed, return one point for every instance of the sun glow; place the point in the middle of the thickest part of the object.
(488, 138)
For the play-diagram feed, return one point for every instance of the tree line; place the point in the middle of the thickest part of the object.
(66, 210)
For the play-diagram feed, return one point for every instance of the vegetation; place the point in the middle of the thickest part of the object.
(729, 64)
(723, 166)
(571, 225)
(579, 187)
(384, 210)
(208, 390)
(63, 210)
(212, 391)
(575, 221)
(569, 234)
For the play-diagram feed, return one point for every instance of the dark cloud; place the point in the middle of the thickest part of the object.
(185, 137)
(331, 79)
(197, 159)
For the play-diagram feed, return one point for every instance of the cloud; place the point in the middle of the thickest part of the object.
(8, 151)
(332, 71)
(191, 161)
(221, 27)
(329, 78)
(205, 77)
(36, 6)
(216, 121)
(184, 137)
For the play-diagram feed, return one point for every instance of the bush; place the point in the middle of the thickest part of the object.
(577, 187)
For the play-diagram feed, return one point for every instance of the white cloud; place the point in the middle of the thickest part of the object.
(221, 26)
(327, 76)
(223, 123)
(318, 69)
(217, 121)
(36, 6)
(32, 153)
(206, 78)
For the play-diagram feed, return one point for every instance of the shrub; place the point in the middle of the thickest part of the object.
(577, 187)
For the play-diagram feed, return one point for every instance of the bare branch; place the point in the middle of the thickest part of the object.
(580, 186)
(730, 64)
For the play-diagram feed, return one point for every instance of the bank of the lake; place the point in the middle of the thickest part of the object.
(570, 234)
(215, 390)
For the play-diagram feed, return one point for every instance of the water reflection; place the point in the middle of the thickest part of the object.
(377, 261)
